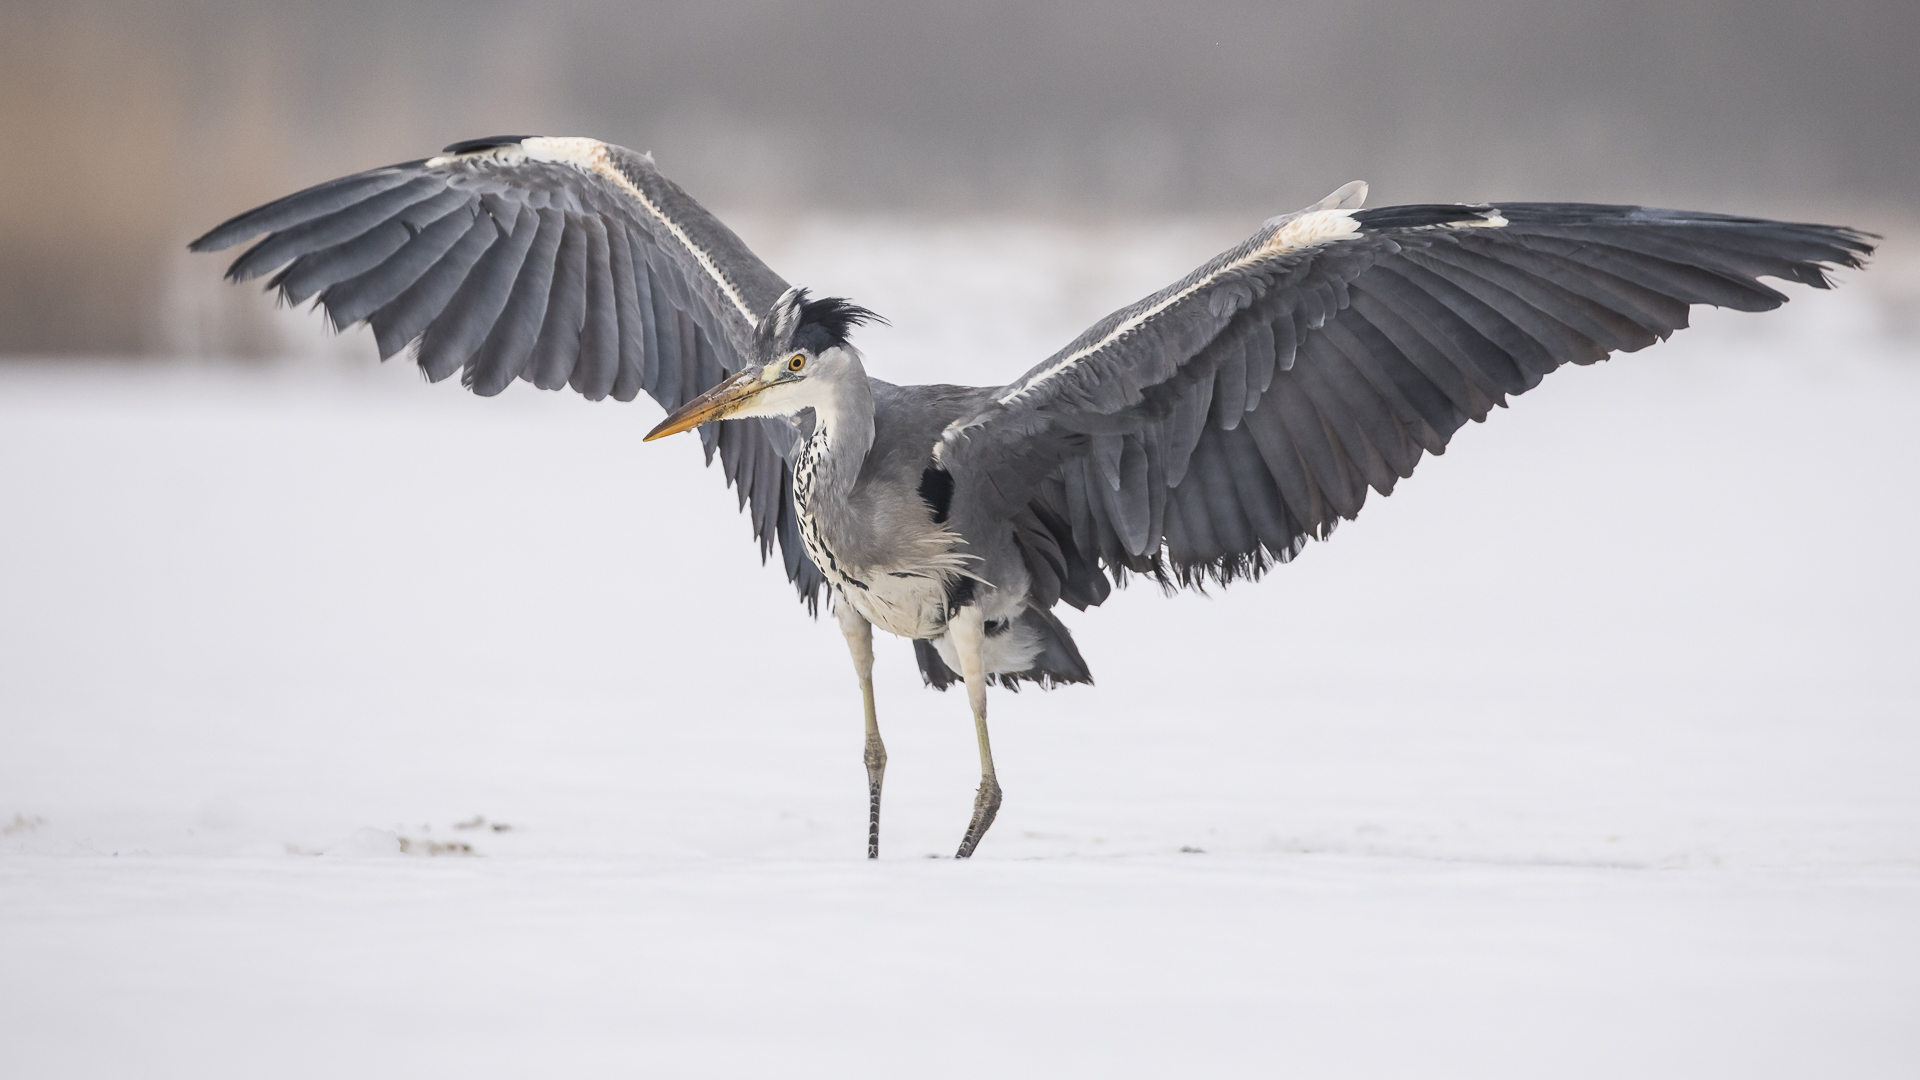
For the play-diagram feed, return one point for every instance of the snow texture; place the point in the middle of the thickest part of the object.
(346, 729)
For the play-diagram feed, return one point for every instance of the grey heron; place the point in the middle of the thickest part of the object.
(1204, 433)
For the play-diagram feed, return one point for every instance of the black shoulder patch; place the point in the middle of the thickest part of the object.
(468, 146)
(1419, 215)
(936, 490)
(960, 592)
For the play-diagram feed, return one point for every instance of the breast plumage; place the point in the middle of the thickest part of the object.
(907, 594)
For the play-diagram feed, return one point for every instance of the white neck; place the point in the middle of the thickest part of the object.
(842, 434)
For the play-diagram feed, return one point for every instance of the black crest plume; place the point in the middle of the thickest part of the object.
(825, 322)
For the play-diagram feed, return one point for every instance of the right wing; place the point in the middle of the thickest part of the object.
(560, 261)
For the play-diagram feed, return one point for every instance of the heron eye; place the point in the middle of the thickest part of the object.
(797, 362)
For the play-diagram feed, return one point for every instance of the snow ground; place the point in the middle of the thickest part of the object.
(1591, 752)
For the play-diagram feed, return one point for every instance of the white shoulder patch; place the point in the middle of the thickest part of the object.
(1311, 229)
(510, 154)
(581, 153)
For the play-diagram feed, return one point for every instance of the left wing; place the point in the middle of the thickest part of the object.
(1210, 429)
(560, 261)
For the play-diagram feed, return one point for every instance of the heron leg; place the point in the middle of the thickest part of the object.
(969, 632)
(859, 635)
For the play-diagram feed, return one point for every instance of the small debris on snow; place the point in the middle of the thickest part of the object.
(22, 824)
(410, 846)
(371, 841)
(1188, 849)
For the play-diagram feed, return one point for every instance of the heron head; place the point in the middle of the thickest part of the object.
(800, 355)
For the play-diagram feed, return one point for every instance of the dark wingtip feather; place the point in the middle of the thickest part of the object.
(1419, 215)
(468, 146)
(1849, 250)
(1813, 249)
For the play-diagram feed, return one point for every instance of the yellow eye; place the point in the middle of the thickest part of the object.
(797, 362)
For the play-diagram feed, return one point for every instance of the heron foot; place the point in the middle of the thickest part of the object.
(986, 803)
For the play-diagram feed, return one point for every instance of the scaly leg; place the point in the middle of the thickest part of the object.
(969, 636)
(859, 635)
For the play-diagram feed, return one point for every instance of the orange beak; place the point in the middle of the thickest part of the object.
(716, 404)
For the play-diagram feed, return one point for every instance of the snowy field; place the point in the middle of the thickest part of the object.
(1592, 752)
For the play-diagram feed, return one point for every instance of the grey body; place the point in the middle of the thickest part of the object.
(1203, 433)
(871, 532)
(856, 490)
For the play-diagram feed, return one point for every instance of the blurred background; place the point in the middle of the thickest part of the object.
(132, 126)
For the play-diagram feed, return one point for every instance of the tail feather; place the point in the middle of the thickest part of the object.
(1056, 664)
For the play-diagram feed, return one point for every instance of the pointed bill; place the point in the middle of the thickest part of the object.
(716, 404)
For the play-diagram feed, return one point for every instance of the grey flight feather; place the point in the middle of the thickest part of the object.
(1207, 431)
(562, 262)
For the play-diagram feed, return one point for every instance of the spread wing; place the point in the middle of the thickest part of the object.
(561, 261)
(1208, 430)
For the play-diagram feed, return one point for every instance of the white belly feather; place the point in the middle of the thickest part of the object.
(909, 599)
